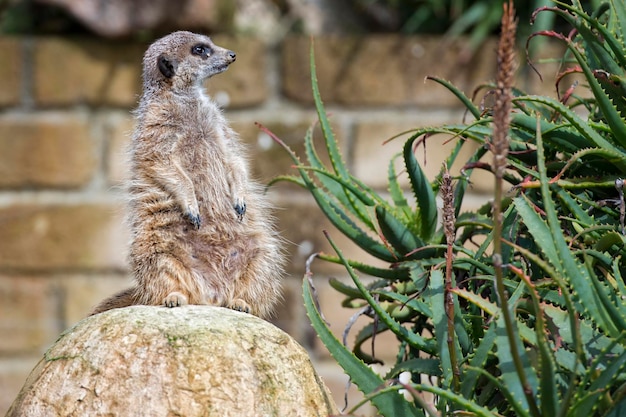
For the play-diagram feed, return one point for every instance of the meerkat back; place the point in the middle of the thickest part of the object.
(201, 229)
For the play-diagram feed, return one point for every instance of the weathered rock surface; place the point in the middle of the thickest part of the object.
(187, 361)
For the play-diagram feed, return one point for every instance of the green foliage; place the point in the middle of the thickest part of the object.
(561, 262)
(477, 19)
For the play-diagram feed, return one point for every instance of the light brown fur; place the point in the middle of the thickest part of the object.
(201, 231)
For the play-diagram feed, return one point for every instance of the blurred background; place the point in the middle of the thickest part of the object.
(70, 76)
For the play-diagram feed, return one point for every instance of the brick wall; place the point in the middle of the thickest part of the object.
(64, 125)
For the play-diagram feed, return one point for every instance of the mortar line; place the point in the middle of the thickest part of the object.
(27, 90)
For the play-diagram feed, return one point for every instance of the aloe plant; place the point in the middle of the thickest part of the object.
(531, 321)
(477, 19)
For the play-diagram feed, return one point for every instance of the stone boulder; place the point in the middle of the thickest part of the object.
(187, 361)
(116, 18)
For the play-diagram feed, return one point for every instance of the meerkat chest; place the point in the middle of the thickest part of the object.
(205, 145)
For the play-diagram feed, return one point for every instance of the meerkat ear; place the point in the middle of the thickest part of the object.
(167, 66)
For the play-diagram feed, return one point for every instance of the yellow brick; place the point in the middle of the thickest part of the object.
(385, 346)
(41, 238)
(83, 292)
(91, 72)
(244, 83)
(28, 308)
(11, 71)
(268, 159)
(371, 157)
(383, 69)
(42, 152)
(120, 133)
(302, 224)
(13, 373)
(290, 314)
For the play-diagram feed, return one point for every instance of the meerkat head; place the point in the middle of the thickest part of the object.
(183, 59)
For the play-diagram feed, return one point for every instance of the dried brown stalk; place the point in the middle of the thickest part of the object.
(449, 220)
(500, 148)
(503, 92)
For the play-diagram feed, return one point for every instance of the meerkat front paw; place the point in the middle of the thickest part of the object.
(175, 299)
(240, 208)
(239, 305)
(192, 214)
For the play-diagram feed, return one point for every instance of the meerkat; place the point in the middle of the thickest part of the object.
(201, 230)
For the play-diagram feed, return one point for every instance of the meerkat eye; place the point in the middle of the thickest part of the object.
(197, 49)
(201, 50)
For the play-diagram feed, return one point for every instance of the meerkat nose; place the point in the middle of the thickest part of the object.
(232, 55)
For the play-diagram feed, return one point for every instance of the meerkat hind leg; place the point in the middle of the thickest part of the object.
(175, 299)
(239, 305)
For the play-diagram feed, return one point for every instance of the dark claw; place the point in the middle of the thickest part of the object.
(241, 210)
(194, 220)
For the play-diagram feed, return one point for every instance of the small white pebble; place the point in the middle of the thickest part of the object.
(405, 377)
(264, 141)
(222, 98)
(305, 248)
(417, 50)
